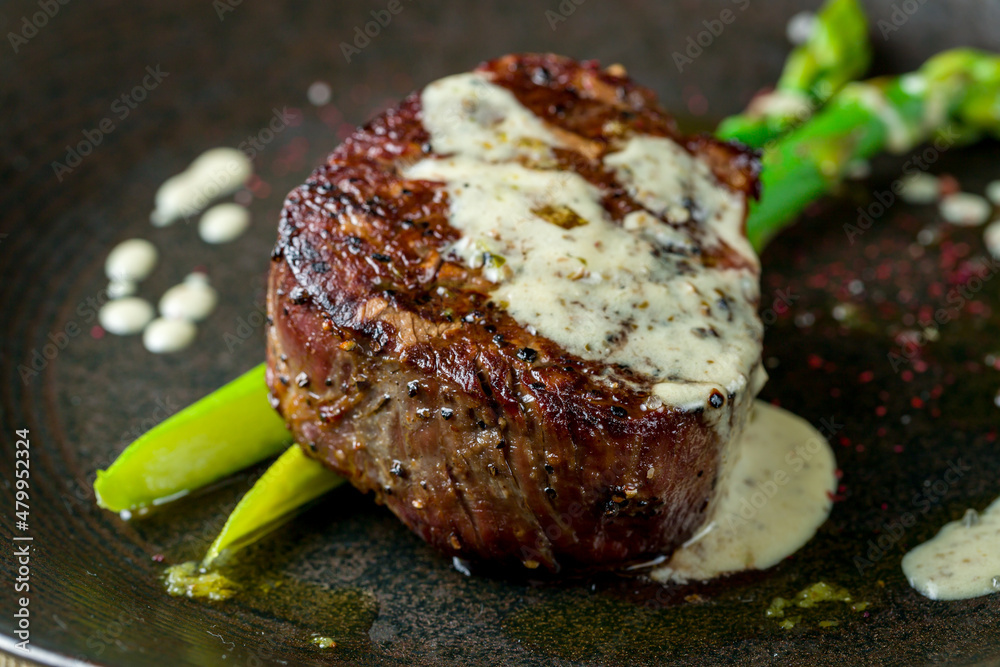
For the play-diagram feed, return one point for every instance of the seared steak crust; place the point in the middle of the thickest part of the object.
(393, 367)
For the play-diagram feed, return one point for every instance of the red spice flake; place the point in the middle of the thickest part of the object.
(866, 377)
(844, 441)
(919, 365)
(882, 430)
(158, 558)
(906, 375)
(991, 436)
(859, 448)
(294, 116)
(885, 506)
(260, 189)
(838, 473)
(898, 449)
(698, 104)
(949, 184)
(815, 361)
(818, 281)
(881, 410)
(97, 332)
(331, 116)
(917, 402)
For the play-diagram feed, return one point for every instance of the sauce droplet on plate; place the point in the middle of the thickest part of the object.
(962, 561)
(123, 317)
(192, 300)
(774, 493)
(223, 223)
(165, 335)
(215, 173)
(131, 260)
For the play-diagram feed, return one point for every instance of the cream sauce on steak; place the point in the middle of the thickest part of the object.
(636, 294)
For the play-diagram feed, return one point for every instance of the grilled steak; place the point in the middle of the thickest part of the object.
(520, 309)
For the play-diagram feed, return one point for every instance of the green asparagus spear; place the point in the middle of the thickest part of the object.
(291, 482)
(955, 93)
(228, 430)
(836, 52)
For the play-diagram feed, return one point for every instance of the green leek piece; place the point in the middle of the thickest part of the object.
(291, 482)
(954, 97)
(836, 53)
(230, 429)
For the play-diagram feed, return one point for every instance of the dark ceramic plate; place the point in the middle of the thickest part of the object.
(346, 569)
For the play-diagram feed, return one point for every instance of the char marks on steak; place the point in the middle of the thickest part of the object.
(394, 367)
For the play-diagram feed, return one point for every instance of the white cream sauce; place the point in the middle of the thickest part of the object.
(622, 294)
(126, 316)
(467, 115)
(965, 209)
(993, 192)
(131, 260)
(772, 497)
(215, 173)
(223, 223)
(991, 237)
(192, 300)
(920, 188)
(167, 335)
(962, 561)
